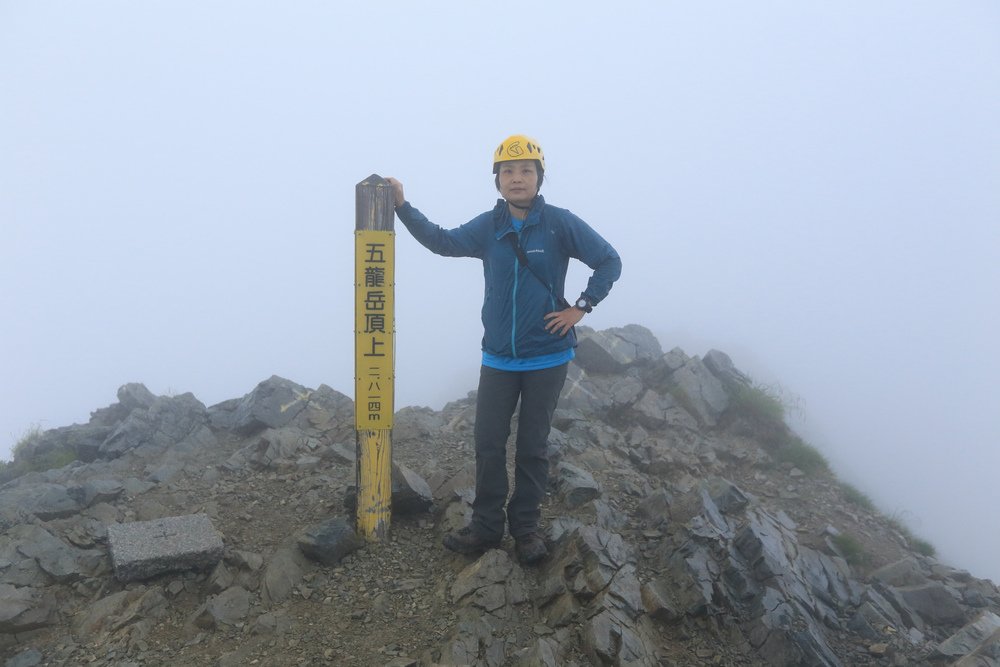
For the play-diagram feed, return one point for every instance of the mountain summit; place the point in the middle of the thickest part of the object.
(687, 525)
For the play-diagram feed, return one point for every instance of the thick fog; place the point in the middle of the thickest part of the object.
(813, 188)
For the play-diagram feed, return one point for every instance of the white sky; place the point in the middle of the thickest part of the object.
(810, 187)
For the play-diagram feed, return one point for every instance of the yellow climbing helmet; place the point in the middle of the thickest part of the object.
(518, 147)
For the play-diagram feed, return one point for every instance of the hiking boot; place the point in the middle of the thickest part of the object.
(465, 541)
(530, 548)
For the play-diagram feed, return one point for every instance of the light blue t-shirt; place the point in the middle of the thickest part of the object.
(528, 363)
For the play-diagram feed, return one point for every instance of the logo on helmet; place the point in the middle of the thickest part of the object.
(515, 150)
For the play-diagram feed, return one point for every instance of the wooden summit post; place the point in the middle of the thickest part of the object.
(374, 354)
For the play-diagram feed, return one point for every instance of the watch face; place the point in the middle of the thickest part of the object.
(581, 303)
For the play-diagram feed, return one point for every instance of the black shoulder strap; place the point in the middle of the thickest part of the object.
(523, 261)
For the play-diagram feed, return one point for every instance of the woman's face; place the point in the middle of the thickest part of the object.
(518, 181)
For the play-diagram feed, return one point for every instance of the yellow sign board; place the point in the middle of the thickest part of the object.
(374, 329)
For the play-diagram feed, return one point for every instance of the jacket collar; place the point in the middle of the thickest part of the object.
(502, 220)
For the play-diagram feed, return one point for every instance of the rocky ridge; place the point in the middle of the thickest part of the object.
(679, 536)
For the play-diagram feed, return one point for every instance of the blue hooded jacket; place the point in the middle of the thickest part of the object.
(515, 302)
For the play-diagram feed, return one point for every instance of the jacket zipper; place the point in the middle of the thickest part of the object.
(513, 309)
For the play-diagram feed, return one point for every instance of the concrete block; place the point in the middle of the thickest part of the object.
(144, 549)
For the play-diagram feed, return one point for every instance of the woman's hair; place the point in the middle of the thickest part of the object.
(538, 167)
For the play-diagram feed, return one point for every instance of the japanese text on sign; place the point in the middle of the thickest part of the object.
(374, 329)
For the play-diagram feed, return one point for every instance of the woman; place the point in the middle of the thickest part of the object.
(525, 245)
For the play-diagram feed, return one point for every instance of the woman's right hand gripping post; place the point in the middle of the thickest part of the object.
(397, 191)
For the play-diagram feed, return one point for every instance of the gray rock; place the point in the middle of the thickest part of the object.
(166, 422)
(274, 448)
(166, 473)
(729, 498)
(121, 609)
(869, 623)
(63, 563)
(608, 638)
(722, 367)
(330, 413)
(24, 608)
(220, 579)
(491, 584)
(613, 350)
(135, 395)
(543, 653)
(272, 623)
(905, 572)
(227, 608)
(656, 411)
(705, 392)
(934, 602)
(85, 440)
(45, 501)
(783, 633)
(416, 423)
(909, 618)
(675, 359)
(273, 403)
(411, 494)
(580, 393)
(584, 563)
(341, 454)
(657, 602)
(329, 541)
(28, 658)
(12, 515)
(283, 572)
(95, 491)
(971, 637)
(576, 486)
(143, 549)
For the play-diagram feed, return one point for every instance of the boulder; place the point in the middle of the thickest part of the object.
(411, 494)
(576, 485)
(904, 572)
(273, 403)
(721, 366)
(46, 501)
(329, 541)
(984, 629)
(166, 422)
(25, 608)
(934, 602)
(659, 411)
(229, 607)
(614, 350)
(704, 392)
(283, 572)
(63, 563)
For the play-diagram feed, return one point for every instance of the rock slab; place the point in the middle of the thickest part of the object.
(144, 549)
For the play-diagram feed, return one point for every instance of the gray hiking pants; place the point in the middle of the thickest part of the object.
(497, 397)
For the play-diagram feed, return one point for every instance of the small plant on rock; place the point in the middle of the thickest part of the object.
(31, 454)
(759, 404)
(851, 549)
(857, 497)
(802, 455)
(921, 546)
(26, 443)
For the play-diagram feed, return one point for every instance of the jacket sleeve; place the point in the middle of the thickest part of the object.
(463, 241)
(586, 245)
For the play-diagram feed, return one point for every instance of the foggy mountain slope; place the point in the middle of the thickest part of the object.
(688, 525)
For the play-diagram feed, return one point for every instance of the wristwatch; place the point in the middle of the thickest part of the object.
(583, 304)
